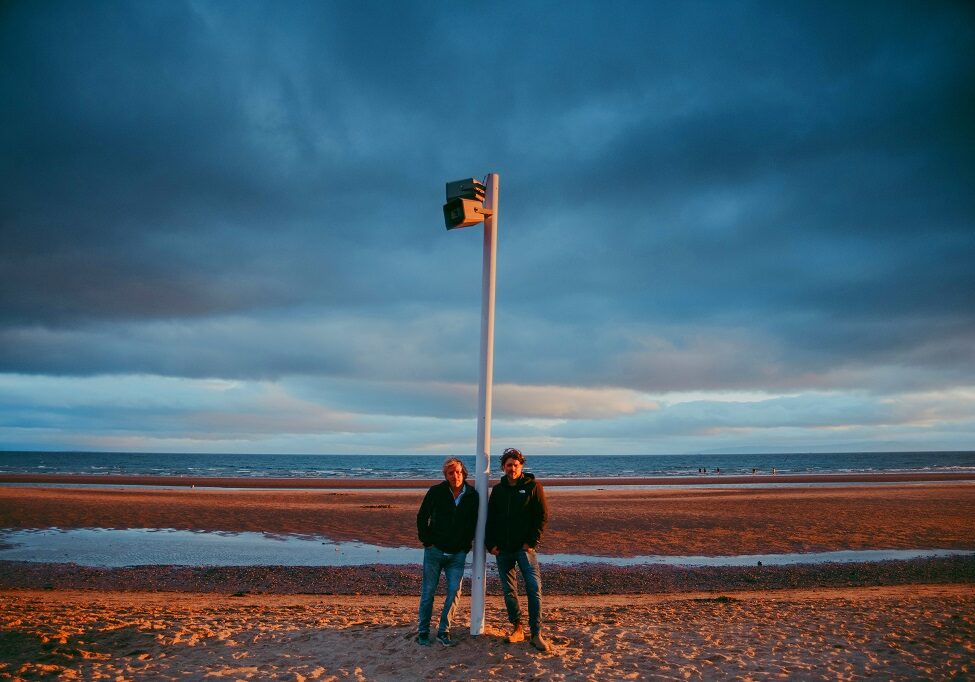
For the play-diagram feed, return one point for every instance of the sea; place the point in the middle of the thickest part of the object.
(426, 466)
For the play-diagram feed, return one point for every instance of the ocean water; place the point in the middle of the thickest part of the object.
(428, 466)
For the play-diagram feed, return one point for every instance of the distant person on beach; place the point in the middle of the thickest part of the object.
(445, 525)
(517, 515)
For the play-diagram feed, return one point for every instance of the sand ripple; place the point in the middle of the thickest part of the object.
(904, 632)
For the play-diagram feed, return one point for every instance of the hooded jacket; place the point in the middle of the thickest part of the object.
(447, 526)
(517, 514)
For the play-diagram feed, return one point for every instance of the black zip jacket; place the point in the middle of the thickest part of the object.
(447, 526)
(517, 514)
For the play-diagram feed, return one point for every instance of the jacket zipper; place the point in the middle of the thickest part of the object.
(508, 524)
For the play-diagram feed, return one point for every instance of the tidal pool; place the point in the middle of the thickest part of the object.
(110, 547)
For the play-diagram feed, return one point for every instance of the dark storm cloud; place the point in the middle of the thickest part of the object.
(695, 195)
(821, 199)
(159, 163)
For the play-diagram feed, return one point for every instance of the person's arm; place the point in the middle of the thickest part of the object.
(423, 519)
(539, 515)
(470, 527)
(490, 534)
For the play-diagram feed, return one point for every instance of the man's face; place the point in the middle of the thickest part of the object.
(512, 468)
(454, 475)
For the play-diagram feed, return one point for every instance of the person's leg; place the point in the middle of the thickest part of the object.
(509, 585)
(431, 576)
(528, 563)
(453, 568)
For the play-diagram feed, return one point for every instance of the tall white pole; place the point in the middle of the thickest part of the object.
(483, 464)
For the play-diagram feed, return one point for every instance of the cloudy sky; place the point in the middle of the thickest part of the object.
(723, 226)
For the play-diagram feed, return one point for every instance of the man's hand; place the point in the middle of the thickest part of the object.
(494, 551)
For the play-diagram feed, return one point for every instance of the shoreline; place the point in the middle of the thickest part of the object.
(272, 483)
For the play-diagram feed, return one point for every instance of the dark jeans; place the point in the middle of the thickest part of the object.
(527, 563)
(452, 565)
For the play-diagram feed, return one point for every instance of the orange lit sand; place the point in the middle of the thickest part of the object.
(891, 632)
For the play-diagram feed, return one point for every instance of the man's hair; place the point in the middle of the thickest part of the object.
(512, 453)
(454, 460)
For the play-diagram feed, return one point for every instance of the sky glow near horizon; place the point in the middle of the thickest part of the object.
(724, 227)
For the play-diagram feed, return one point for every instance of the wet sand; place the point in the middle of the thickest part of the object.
(385, 483)
(612, 521)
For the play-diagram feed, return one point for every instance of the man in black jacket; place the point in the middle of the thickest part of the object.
(517, 514)
(445, 525)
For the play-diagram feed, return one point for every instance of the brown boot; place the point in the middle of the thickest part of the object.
(517, 634)
(541, 643)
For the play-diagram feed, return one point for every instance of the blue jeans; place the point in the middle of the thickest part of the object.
(527, 563)
(452, 565)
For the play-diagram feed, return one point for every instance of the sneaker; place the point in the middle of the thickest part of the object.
(444, 638)
(423, 640)
(540, 643)
(516, 635)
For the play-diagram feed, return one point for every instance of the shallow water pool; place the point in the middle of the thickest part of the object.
(109, 547)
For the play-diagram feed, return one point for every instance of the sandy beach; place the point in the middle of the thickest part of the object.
(896, 619)
(921, 632)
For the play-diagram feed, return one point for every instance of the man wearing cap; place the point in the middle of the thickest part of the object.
(445, 525)
(517, 515)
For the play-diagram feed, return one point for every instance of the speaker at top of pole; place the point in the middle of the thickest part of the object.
(462, 213)
(469, 188)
